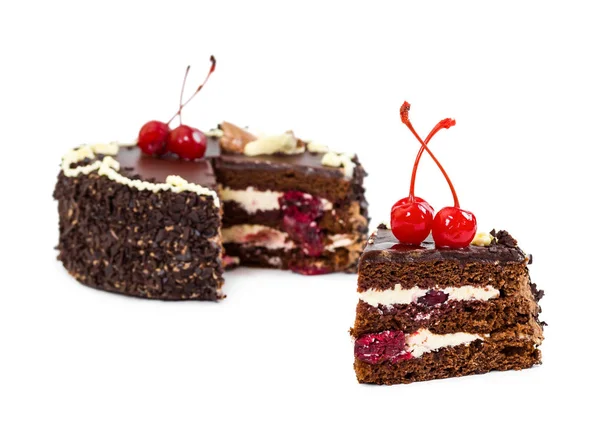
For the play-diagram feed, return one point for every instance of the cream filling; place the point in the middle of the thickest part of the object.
(257, 235)
(340, 241)
(399, 295)
(253, 200)
(423, 341)
(109, 167)
(271, 238)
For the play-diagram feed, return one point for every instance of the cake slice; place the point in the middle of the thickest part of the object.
(290, 204)
(427, 313)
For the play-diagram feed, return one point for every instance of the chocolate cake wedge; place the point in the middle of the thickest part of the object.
(290, 204)
(427, 313)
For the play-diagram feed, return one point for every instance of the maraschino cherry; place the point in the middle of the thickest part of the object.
(156, 138)
(412, 217)
(452, 227)
(152, 138)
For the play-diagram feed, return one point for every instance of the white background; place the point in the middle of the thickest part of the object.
(521, 79)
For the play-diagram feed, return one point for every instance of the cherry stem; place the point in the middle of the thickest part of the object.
(443, 124)
(187, 71)
(212, 69)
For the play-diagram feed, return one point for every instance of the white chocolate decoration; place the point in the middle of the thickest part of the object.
(215, 133)
(285, 143)
(482, 239)
(109, 168)
(316, 147)
(343, 160)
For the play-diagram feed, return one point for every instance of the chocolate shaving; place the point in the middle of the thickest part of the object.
(504, 238)
(538, 294)
(382, 226)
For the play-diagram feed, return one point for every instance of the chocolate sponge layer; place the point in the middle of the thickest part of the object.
(464, 316)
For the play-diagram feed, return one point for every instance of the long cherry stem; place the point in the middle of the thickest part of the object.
(187, 71)
(212, 69)
(443, 124)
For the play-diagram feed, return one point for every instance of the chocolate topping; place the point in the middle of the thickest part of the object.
(386, 247)
(158, 169)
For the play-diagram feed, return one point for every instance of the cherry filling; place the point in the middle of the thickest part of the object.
(387, 346)
(300, 214)
(433, 297)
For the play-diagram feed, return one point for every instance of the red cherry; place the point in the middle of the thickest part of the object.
(187, 142)
(411, 221)
(454, 228)
(153, 136)
(412, 217)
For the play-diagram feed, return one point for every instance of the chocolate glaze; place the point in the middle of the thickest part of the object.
(385, 247)
(201, 171)
(307, 162)
(158, 169)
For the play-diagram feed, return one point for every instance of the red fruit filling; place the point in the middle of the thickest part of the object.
(433, 297)
(300, 214)
(387, 346)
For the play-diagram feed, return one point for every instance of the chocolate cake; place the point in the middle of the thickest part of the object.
(155, 226)
(426, 312)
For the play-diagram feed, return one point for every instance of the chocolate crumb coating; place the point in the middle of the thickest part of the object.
(162, 245)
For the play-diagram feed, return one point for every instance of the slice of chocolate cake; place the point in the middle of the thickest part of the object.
(290, 204)
(427, 312)
(150, 226)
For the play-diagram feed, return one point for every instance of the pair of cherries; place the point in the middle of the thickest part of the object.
(412, 218)
(157, 138)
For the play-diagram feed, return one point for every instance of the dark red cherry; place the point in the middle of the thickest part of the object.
(454, 228)
(153, 137)
(187, 142)
(411, 221)
(381, 347)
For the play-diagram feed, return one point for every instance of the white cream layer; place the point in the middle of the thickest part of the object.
(340, 241)
(399, 295)
(423, 341)
(109, 167)
(253, 200)
(257, 235)
(271, 238)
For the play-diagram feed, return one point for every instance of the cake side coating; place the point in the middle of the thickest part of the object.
(137, 237)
